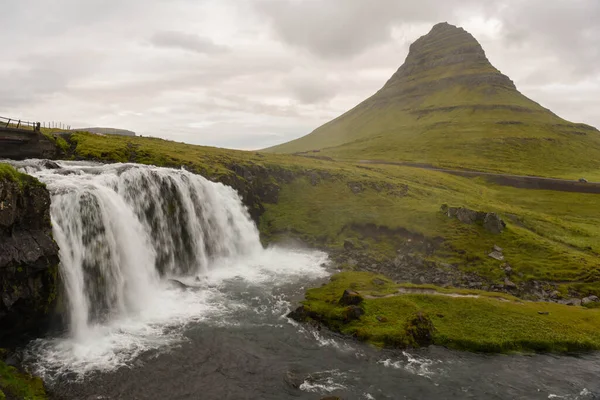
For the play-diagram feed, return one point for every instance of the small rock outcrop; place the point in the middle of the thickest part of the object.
(28, 257)
(350, 298)
(489, 220)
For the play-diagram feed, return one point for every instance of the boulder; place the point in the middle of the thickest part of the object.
(419, 328)
(496, 255)
(498, 248)
(493, 223)
(509, 284)
(589, 300)
(293, 379)
(352, 313)
(379, 282)
(490, 221)
(348, 244)
(571, 302)
(356, 187)
(350, 298)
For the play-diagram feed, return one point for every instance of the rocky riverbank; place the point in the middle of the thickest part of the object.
(28, 256)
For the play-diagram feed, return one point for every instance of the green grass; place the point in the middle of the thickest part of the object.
(7, 172)
(20, 385)
(550, 235)
(485, 324)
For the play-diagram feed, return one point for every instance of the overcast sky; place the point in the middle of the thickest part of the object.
(253, 73)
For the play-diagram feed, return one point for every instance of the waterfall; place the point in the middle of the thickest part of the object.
(124, 228)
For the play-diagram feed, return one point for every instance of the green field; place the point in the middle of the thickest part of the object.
(486, 323)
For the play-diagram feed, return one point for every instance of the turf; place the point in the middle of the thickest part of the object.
(550, 235)
(483, 324)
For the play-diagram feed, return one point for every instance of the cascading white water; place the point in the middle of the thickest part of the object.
(121, 227)
(124, 230)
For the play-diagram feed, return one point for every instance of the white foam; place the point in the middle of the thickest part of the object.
(416, 365)
(324, 382)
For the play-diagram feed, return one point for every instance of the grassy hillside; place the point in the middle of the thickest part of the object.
(448, 106)
(550, 236)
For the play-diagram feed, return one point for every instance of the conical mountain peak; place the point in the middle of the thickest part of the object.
(447, 53)
(447, 105)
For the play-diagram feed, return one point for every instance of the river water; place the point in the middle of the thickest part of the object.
(170, 295)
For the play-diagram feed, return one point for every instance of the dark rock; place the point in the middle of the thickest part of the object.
(331, 398)
(48, 164)
(493, 223)
(294, 379)
(419, 328)
(589, 300)
(508, 284)
(508, 269)
(350, 298)
(543, 313)
(490, 221)
(571, 302)
(349, 244)
(28, 259)
(554, 294)
(352, 313)
(356, 187)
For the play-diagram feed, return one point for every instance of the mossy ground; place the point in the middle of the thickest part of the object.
(7, 172)
(20, 385)
(488, 323)
(550, 235)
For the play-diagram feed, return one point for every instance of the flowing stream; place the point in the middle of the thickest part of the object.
(169, 294)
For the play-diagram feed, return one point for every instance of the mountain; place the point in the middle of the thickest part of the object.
(110, 131)
(448, 106)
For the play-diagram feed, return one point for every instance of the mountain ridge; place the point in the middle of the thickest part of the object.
(447, 105)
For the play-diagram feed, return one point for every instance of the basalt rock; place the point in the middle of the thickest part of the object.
(28, 258)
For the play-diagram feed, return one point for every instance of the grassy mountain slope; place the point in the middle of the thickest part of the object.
(448, 106)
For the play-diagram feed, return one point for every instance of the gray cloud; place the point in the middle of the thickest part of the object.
(186, 41)
(344, 28)
(253, 73)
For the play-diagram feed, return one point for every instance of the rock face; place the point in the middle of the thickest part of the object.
(22, 145)
(28, 258)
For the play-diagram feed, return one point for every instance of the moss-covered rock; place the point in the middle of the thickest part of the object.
(15, 384)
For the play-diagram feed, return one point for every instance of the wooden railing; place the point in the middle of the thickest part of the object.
(11, 123)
